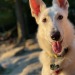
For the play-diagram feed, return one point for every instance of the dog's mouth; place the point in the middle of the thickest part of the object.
(57, 46)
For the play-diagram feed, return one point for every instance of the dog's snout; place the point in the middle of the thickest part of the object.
(55, 35)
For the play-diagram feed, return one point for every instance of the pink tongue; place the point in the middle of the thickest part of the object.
(56, 46)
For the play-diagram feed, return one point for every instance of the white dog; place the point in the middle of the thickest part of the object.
(55, 36)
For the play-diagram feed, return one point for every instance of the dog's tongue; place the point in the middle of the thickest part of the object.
(56, 46)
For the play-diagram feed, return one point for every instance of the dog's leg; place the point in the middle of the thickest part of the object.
(45, 70)
(45, 61)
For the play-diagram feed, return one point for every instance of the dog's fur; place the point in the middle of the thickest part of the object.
(64, 26)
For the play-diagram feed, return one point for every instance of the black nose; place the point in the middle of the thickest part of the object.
(55, 35)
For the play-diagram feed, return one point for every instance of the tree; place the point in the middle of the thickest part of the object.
(21, 21)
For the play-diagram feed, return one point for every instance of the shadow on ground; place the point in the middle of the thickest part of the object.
(22, 60)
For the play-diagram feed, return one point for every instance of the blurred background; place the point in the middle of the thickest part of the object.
(18, 29)
(16, 19)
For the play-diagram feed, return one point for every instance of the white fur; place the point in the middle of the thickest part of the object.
(67, 34)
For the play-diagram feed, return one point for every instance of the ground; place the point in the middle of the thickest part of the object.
(22, 60)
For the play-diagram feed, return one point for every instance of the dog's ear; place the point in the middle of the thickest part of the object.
(61, 3)
(37, 6)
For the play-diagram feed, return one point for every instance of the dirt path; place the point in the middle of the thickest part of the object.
(19, 61)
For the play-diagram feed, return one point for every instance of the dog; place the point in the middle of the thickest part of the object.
(55, 36)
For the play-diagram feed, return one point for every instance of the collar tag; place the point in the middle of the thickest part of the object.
(54, 67)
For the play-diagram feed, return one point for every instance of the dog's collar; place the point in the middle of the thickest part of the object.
(56, 69)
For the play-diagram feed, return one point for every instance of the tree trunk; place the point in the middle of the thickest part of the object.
(21, 21)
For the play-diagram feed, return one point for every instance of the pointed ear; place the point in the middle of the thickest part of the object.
(61, 3)
(37, 6)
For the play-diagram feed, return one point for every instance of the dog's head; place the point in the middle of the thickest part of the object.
(53, 24)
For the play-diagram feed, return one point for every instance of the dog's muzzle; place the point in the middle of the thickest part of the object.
(55, 35)
(66, 50)
(56, 44)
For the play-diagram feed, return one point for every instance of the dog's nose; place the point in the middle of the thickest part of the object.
(55, 35)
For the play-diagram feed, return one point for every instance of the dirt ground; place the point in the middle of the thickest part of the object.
(22, 60)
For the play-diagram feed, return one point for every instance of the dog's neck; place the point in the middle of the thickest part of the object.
(55, 67)
(56, 60)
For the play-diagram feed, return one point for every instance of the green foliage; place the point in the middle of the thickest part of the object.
(72, 11)
(48, 2)
(7, 16)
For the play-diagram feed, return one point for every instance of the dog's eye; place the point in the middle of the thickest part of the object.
(60, 17)
(44, 20)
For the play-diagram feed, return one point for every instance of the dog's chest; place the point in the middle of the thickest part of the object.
(51, 65)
